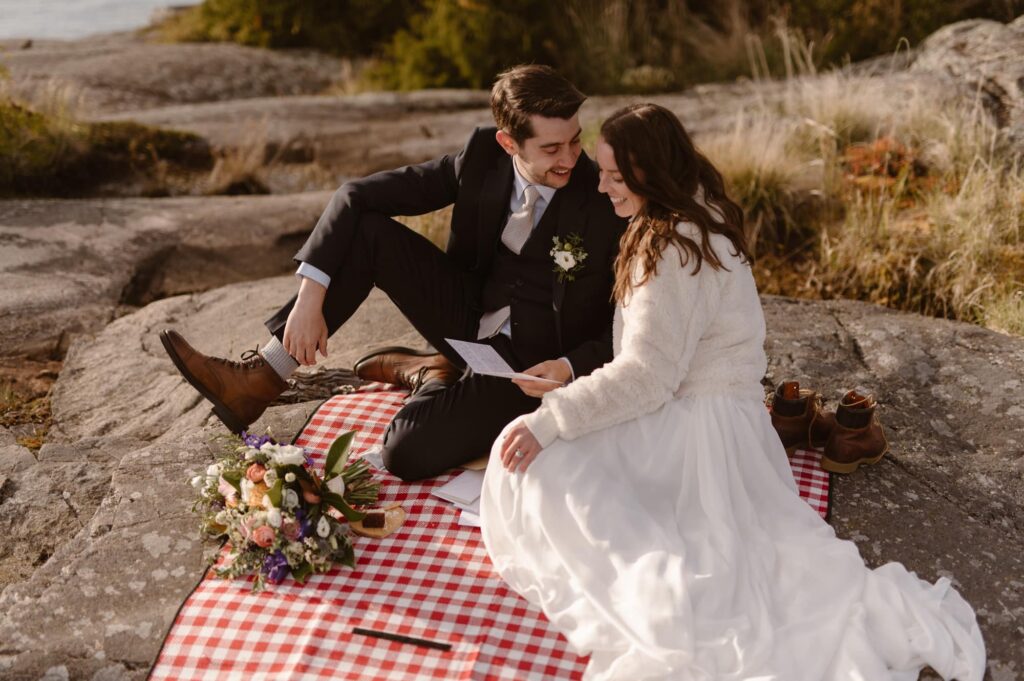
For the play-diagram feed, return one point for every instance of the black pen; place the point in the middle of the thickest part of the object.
(402, 639)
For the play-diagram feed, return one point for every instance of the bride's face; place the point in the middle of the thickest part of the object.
(625, 202)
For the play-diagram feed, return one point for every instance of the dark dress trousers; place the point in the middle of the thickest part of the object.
(444, 293)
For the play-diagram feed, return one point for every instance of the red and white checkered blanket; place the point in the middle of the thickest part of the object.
(432, 579)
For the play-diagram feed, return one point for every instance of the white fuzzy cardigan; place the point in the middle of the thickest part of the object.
(679, 334)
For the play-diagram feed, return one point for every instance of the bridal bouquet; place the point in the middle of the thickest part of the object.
(278, 515)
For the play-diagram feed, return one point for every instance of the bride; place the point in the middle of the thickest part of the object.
(649, 508)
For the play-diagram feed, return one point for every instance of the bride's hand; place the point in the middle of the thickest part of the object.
(519, 448)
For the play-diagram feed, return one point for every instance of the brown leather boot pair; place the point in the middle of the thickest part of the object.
(850, 437)
(241, 391)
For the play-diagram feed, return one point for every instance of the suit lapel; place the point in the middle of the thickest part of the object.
(494, 203)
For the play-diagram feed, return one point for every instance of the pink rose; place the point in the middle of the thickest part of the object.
(263, 536)
(290, 529)
(256, 472)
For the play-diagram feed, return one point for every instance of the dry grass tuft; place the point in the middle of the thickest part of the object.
(920, 202)
(435, 226)
(241, 169)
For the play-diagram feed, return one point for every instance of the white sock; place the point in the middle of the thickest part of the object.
(278, 358)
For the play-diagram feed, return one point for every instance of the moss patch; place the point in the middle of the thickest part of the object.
(43, 156)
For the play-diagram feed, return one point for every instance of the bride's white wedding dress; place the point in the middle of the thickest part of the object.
(661, 531)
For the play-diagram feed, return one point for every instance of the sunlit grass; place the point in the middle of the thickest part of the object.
(20, 411)
(435, 226)
(919, 199)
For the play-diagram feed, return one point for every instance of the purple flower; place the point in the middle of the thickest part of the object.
(255, 441)
(305, 527)
(275, 567)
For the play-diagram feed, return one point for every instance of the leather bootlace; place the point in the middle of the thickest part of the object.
(250, 359)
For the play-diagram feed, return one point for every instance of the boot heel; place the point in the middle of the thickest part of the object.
(229, 420)
(846, 468)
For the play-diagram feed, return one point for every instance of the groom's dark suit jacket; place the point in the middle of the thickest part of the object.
(478, 181)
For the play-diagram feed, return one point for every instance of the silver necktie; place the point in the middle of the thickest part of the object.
(520, 223)
(517, 231)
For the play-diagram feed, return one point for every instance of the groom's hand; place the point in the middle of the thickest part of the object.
(305, 332)
(553, 369)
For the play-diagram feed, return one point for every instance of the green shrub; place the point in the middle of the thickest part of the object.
(857, 29)
(41, 155)
(350, 28)
(459, 43)
(604, 46)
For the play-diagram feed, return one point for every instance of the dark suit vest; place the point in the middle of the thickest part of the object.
(523, 282)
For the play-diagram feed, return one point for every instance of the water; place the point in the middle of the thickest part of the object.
(68, 19)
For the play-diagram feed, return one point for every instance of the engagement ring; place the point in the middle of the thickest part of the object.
(518, 454)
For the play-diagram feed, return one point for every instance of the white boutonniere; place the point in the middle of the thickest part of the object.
(569, 256)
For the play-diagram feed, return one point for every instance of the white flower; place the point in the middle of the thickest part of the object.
(213, 470)
(274, 517)
(565, 260)
(270, 477)
(290, 499)
(336, 485)
(198, 482)
(323, 528)
(221, 518)
(289, 455)
(246, 486)
(289, 477)
(250, 453)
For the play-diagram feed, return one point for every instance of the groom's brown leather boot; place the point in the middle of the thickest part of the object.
(799, 418)
(857, 437)
(407, 368)
(239, 391)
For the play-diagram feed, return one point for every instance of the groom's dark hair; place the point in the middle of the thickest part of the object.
(531, 90)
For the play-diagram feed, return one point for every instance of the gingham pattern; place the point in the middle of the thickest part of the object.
(431, 579)
(811, 480)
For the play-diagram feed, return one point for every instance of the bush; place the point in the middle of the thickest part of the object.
(857, 29)
(455, 43)
(639, 46)
(350, 28)
(604, 46)
(44, 155)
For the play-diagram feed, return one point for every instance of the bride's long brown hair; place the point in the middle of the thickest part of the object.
(658, 162)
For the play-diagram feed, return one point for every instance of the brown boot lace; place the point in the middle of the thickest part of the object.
(251, 359)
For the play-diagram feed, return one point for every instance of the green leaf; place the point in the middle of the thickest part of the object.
(337, 456)
(339, 503)
(302, 572)
(275, 493)
(349, 556)
(234, 479)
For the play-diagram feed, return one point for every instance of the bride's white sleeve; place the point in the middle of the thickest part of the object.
(662, 324)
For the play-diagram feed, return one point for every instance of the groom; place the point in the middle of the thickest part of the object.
(518, 190)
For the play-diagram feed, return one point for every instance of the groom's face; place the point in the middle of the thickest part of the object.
(549, 156)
